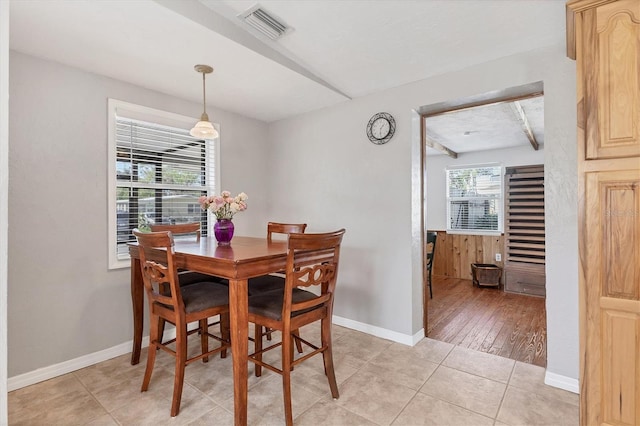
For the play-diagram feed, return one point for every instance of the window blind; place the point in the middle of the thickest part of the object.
(474, 199)
(161, 172)
(525, 228)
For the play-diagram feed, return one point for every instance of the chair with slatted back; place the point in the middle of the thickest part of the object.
(312, 260)
(183, 230)
(271, 282)
(432, 237)
(185, 277)
(178, 305)
(265, 283)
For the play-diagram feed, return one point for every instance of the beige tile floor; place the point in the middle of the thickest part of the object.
(380, 383)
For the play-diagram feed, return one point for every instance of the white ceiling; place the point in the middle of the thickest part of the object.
(337, 50)
(493, 126)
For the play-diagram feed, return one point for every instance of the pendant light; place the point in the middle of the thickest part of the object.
(204, 129)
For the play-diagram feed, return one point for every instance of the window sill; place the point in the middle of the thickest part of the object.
(474, 232)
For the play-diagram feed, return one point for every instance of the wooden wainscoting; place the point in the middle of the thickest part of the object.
(456, 252)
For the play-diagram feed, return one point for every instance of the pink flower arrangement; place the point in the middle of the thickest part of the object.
(224, 206)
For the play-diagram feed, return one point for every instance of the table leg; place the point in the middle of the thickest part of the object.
(137, 301)
(238, 307)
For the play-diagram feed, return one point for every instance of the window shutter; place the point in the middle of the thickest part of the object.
(524, 268)
(525, 242)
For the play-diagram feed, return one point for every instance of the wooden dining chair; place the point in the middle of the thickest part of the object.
(186, 277)
(312, 260)
(170, 302)
(266, 283)
(191, 229)
(432, 238)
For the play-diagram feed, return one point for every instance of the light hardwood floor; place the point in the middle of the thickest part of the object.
(488, 320)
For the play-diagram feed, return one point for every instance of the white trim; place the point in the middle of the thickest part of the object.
(46, 373)
(215, 188)
(417, 337)
(138, 112)
(383, 333)
(562, 382)
(474, 232)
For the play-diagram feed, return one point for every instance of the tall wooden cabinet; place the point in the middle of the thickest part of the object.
(604, 38)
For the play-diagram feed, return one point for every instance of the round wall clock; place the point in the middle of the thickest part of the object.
(381, 128)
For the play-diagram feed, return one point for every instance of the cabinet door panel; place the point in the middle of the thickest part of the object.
(613, 82)
(619, 366)
(612, 271)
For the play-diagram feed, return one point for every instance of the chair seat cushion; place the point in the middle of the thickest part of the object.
(265, 284)
(204, 295)
(270, 304)
(190, 277)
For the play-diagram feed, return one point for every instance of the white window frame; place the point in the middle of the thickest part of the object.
(117, 108)
(499, 198)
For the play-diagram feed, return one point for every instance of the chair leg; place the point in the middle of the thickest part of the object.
(287, 358)
(204, 338)
(291, 346)
(257, 344)
(225, 332)
(161, 323)
(181, 359)
(430, 285)
(298, 342)
(327, 357)
(153, 349)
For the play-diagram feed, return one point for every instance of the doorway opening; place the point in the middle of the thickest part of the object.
(481, 217)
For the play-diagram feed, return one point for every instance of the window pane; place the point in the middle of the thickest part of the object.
(169, 207)
(123, 170)
(480, 182)
(474, 214)
(475, 198)
(146, 172)
(184, 175)
(161, 173)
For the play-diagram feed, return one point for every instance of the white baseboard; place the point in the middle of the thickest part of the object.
(46, 373)
(562, 382)
(405, 339)
(417, 337)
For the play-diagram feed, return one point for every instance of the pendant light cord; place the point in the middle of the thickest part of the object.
(204, 95)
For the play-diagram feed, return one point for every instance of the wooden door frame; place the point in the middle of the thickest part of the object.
(511, 94)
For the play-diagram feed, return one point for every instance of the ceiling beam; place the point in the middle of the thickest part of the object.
(522, 118)
(435, 145)
(199, 13)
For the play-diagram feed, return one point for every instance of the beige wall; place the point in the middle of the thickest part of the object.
(334, 177)
(4, 197)
(64, 303)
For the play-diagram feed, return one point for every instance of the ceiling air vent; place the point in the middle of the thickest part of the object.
(263, 21)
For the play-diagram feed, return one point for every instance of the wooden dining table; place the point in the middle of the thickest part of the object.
(246, 257)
